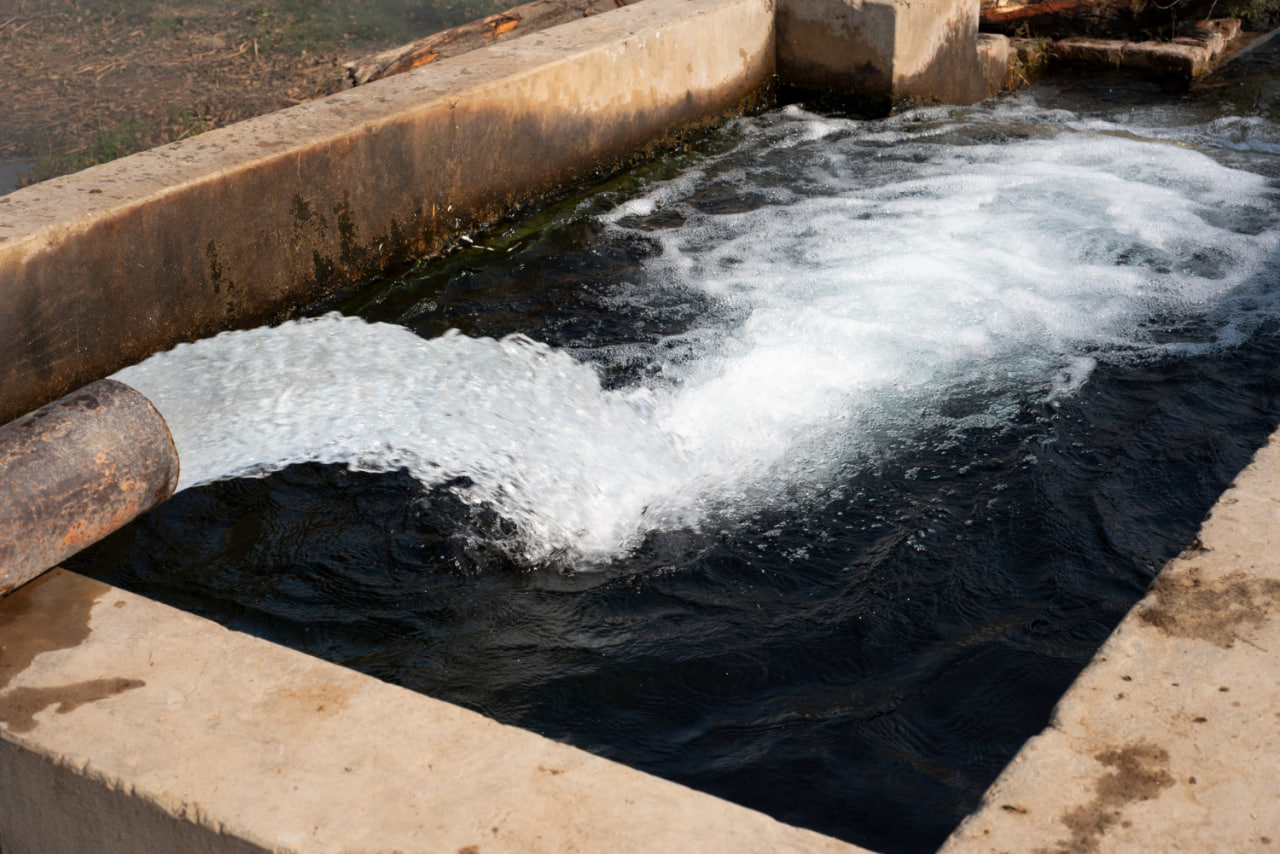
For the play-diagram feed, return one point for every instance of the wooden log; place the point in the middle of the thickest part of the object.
(521, 20)
(1108, 19)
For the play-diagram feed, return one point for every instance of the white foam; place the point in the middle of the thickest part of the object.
(841, 322)
(573, 466)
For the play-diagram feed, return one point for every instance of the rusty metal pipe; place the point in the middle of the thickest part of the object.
(74, 471)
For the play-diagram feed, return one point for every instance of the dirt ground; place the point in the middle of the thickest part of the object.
(90, 80)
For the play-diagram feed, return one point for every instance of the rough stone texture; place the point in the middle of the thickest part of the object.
(936, 54)
(1100, 53)
(129, 726)
(102, 268)
(1184, 57)
(883, 51)
(1168, 740)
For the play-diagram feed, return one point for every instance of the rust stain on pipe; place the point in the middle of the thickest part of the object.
(74, 471)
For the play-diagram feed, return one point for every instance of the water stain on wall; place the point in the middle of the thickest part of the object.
(1184, 604)
(50, 613)
(1140, 774)
(310, 701)
(19, 707)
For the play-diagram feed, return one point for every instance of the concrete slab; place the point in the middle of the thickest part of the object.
(129, 726)
(1185, 57)
(1097, 53)
(1167, 741)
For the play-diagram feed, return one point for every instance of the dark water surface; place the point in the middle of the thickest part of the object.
(862, 653)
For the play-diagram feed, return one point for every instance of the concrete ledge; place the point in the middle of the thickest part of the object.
(1167, 741)
(129, 726)
(1185, 57)
(102, 268)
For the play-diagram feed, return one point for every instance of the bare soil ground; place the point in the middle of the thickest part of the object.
(89, 80)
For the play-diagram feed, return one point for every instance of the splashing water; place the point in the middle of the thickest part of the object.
(529, 428)
(895, 283)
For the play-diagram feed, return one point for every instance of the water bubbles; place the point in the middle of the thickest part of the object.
(510, 416)
(909, 280)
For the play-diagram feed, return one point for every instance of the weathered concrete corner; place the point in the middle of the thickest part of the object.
(1179, 59)
(883, 50)
(102, 268)
(129, 726)
(936, 54)
(1167, 742)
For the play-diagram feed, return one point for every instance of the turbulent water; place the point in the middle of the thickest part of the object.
(807, 468)
(842, 313)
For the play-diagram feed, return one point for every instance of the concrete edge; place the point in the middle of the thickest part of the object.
(1166, 741)
(129, 726)
(1181, 59)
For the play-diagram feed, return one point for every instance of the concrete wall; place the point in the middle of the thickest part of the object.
(102, 268)
(883, 51)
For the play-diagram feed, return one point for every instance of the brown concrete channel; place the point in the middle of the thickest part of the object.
(129, 726)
